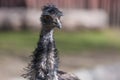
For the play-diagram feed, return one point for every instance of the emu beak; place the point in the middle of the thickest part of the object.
(59, 25)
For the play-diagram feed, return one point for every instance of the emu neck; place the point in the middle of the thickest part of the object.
(49, 54)
(46, 35)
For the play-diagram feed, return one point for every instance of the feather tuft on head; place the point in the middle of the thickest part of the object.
(51, 9)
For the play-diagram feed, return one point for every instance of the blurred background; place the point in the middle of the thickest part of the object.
(88, 44)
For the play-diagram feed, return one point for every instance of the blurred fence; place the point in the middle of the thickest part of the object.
(110, 7)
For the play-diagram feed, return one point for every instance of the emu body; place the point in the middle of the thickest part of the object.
(45, 60)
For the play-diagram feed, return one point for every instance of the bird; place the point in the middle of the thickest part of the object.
(45, 60)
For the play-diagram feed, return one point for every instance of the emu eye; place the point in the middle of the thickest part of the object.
(48, 17)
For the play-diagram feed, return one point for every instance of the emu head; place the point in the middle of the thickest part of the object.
(51, 16)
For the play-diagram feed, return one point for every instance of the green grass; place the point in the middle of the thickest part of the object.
(25, 42)
(91, 40)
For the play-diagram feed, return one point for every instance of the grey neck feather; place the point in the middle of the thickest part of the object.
(46, 34)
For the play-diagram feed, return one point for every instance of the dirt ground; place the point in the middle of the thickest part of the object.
(11, 67)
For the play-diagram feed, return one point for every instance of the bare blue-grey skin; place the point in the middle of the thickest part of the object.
(45, 60)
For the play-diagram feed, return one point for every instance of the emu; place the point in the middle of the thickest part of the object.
(45, 60)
